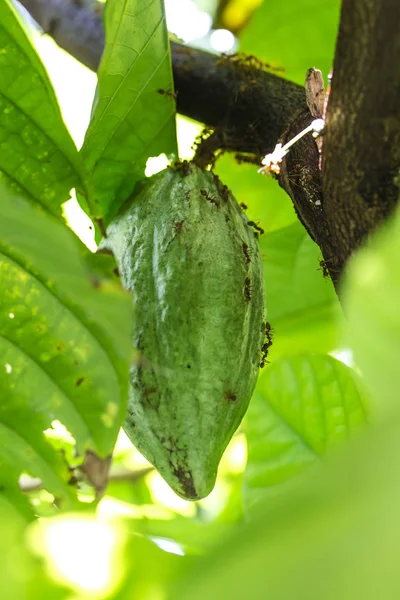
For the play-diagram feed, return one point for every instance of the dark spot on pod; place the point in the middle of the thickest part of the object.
(179, 225)
(243, 206)
(185, 478)
(148, 392)
(230, 397)
(79, 381)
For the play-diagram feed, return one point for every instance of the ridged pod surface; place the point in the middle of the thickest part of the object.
(186, 252)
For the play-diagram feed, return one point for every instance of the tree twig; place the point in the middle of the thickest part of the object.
(249, 106)
(33, 484)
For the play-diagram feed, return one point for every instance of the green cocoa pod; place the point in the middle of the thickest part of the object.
(186, 252)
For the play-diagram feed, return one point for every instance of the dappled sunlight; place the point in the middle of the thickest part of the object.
(73, 83)
(222, 40)
(155, 164)
(186, 20)
(345, 355)
(168, 546)
(109, 508)
(235, 457)
(82, 552)
(79, 222)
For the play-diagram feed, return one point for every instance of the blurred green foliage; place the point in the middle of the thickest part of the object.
(294, 35)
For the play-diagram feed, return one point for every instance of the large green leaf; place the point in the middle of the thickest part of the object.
(371, 298)
(295, 35)
(304, 405)
(131, 120)
(65, 346)
(38, 158)
(336, 537)
(302, 306)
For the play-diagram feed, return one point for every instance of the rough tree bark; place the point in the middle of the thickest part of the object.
(250, 109)
(361, 154)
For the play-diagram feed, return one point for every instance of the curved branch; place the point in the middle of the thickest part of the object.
(249, 106)
(76, 26)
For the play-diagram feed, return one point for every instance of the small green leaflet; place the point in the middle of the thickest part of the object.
(64, 346)
(131, 120)
(303, 406)
(38, 158)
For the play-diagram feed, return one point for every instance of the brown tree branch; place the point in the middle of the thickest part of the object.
(250, 108)
(76, 26)
(362, 143)
(33, 484)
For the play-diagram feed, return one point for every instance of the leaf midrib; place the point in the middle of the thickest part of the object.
(116, 92)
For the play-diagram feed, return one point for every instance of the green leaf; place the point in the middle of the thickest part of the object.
(194, 536)
(267, 203)
(336, 537)
(149, 569)
(371, 296)
(131, 120)
(38, 158)
(294, 35)
(303, 406)
(302, 306)
(65, 346)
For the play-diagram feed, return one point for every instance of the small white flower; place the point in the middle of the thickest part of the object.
(273, 160)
